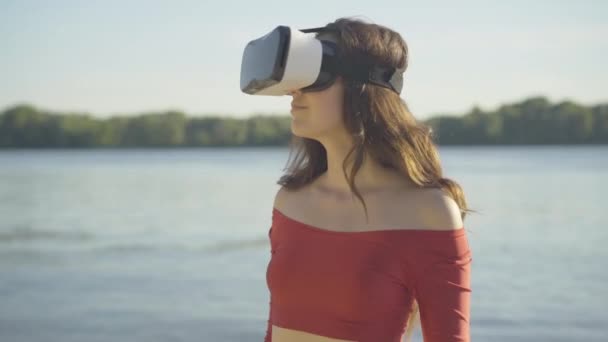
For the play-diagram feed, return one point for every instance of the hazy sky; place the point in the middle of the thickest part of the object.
(127, 57)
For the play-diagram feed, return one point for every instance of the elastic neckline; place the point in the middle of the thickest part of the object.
(451, 232)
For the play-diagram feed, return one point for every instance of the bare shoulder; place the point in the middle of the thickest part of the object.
(286, 197)
(438, 210)
(281, 197)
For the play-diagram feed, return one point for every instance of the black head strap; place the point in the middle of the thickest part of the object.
(318, 29)
(387, 77)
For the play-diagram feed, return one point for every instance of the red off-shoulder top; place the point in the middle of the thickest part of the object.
(360, 285)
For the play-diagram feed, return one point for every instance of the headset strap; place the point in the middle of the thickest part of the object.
(387, 77)
(317, 29)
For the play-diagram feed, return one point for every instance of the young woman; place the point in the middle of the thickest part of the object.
(367, 234)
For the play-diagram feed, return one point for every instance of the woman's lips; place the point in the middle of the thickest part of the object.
(294, 108)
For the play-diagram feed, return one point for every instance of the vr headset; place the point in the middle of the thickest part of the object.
(288, 59)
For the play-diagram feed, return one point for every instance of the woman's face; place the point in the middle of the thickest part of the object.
(317, 114)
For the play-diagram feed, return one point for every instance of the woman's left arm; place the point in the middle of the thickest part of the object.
(442, 274)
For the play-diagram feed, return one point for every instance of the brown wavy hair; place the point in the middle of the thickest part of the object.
(379, 122)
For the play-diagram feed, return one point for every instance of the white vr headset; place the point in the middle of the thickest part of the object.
(288, 59)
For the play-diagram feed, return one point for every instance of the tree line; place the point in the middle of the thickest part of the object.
(532, 121)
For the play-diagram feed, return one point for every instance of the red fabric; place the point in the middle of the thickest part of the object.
(360, 286)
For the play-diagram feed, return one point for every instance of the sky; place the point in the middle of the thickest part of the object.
(128, 57)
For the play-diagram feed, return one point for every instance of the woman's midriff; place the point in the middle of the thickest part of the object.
(289, 335)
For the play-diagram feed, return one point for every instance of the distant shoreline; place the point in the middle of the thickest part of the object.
(532, 122)
(194, 148)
